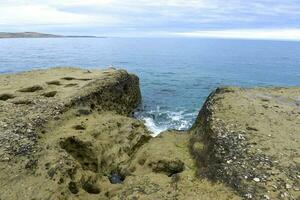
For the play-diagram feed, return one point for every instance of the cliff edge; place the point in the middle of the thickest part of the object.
(249, 139)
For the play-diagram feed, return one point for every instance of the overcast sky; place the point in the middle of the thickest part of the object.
(278, 19)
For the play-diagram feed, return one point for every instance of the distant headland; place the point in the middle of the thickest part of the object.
(38, 35)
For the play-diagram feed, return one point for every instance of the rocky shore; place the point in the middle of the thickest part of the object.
(249, 139)
(68, 133)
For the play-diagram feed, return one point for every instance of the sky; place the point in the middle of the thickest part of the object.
(256, 19)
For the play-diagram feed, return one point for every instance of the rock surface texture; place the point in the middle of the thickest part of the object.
(67, 133)
(250, 139)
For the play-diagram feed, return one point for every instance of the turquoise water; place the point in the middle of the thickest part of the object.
(176, 74)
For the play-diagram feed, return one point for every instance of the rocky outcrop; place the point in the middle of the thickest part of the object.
(249, 139)
(63, 129)
(67, 133)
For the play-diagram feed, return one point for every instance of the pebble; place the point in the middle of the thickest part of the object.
(284, 194)
(288, 186)
(5, 159)
(266, 197)
(256, 179)
(248, 196)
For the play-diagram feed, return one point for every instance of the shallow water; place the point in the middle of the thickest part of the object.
(176, 74)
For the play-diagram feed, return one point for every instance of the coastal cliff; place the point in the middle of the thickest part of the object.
(68, 133)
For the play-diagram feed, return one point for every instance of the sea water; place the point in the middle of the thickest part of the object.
(176, 74)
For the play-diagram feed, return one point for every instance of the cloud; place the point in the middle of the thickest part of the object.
(150, 16)
(274, 34)
(39, 14)
(48, 14)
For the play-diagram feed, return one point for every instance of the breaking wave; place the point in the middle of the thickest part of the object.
(159, 120)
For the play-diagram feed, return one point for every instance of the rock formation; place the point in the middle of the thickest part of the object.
(68, 133)
(249, 139)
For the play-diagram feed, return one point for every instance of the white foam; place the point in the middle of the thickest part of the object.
(178, 120)
(176, 116)
(156, 130)
(183, 125)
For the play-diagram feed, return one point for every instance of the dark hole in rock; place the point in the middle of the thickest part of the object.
(51, 172)
(6, 96)
(53, 83)
(83, 111)
(33, 88)
(116, 178)
(82, 152)
(50, 94)
(93, 106)
(91, 188)
(71, 85)
(84, 79)
(79, 127)
(168, 167)
(73, 187)
(251, 128)
(126, 88)
(60, 181)
(47, 165)
(68, 78)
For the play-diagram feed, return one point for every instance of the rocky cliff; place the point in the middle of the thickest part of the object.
(249, 139)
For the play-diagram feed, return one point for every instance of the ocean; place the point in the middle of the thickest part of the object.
(176, 74)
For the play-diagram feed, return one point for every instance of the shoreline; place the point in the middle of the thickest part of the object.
(9, 35)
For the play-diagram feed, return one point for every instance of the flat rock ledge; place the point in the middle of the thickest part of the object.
(68, 133)
(250, 139)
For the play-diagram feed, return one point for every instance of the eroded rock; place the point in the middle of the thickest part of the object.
(6, 96)
(33, 88)
(245, 143)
